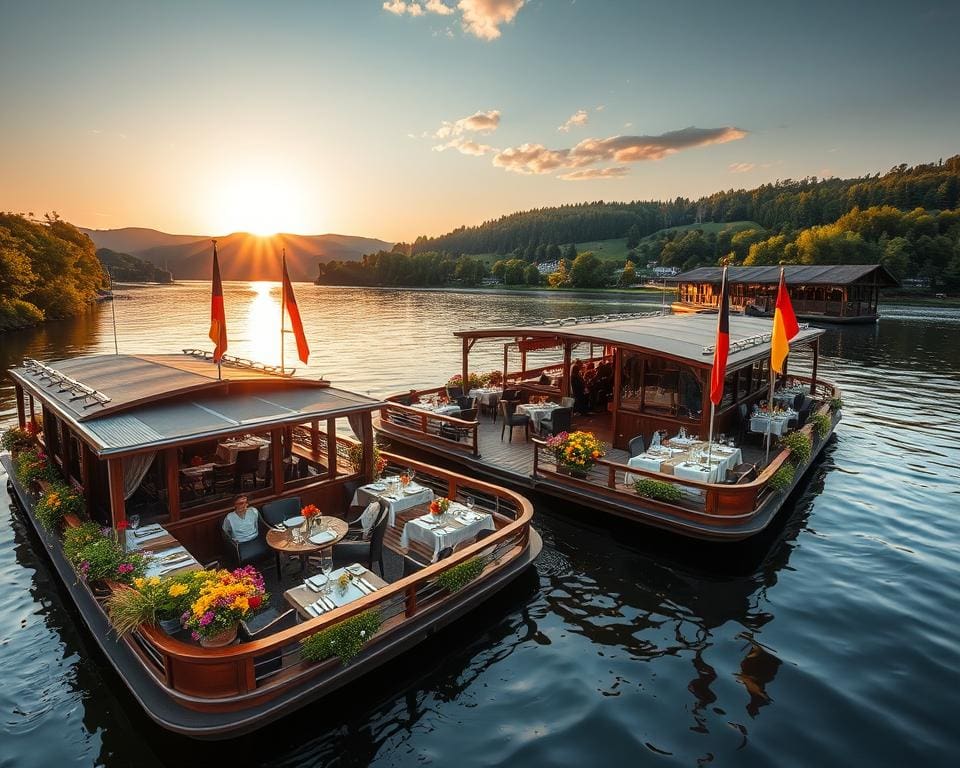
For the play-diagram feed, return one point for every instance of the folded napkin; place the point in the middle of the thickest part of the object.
(319, 538)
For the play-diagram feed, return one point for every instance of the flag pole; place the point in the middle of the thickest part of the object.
(219, 373)
(713, 405)
(772, 384)
(283, 309)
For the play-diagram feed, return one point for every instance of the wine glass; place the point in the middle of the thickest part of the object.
(326, 566)
(411, 473)
(134, 522)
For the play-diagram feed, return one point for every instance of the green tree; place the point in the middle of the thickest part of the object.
(586, 271)
(560, 278)
(514, 271)
(629, 275)
(531, 275)
(633, 237)
(498, 268)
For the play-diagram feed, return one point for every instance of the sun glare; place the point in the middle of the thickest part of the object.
(259, 203)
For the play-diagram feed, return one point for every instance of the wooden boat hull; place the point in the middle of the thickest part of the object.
(209, 724)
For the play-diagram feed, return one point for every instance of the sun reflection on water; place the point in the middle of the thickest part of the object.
(263, 322)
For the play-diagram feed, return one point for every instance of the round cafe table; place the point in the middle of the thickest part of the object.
(282, 541)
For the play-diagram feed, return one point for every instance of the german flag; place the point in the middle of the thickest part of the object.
(290, 301)
(722, 346)
(218, 317)
(784, 327)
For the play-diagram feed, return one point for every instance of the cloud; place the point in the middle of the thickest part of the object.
(742, 167)
(478, 122)
(579, 117)
(614, 172)
(483, 18)
(438, 7)
(536, 158)
(465, 146)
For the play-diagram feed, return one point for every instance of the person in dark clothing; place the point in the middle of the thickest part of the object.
(579, 387)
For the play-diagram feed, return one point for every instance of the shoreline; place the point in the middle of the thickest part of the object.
(506, 290)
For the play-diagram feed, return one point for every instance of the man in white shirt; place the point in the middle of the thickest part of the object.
(243, 522)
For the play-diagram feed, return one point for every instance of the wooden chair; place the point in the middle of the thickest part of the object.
(636, 446)
(223, 478)
(508, 410)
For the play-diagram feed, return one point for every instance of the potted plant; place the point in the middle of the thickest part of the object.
(355, 456)
(223, 599)
(154, 600)
(98, 558)
(16, 440)
(576, 452)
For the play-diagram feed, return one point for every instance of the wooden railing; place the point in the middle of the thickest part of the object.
(439, 429)
(239, 676)
(717, 502)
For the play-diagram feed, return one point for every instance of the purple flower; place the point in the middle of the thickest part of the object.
(195, 635)
(125, 568)
(206, 619)
(85, 567)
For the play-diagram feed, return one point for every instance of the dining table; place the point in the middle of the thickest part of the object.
(227, 450)
(310, 599)
(778, 422)
(687, 461)
(396, 497)
(441, 409)
(281, 538)
(538, 412)
(459, 524)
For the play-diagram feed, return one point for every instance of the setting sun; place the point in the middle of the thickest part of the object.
(260, 203)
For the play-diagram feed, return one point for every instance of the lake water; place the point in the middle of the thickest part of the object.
(832, 640)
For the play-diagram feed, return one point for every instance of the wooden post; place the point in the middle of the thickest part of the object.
(617, 385)
(505, 363)
(523, 363)
(315, 439)
(465, 370)
(367, 468)
(21, 410)
(87, 460)
(276, 459)
(565, 384)
(331, 448)
(171, 464)
(33, 414)
(813, 374)
(118, 510)
(64, 447)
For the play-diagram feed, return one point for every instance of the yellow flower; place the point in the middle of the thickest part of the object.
(154, 581)
(177, 590)
(138, 582)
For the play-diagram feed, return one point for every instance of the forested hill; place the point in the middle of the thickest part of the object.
(781, 206)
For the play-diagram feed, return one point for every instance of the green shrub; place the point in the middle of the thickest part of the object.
(16, 439)
(782, 478)
(835, 404)
(17, 313)
(822, 424)
(799, 445)
(659, 490)
(104, 558)
(58, 501)
(76, 538)
(343, 640)
(456, 578)
(33, 465)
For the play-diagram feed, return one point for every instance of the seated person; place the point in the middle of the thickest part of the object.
(243, 522)
(544, 379)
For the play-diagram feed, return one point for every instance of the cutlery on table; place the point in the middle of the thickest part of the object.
(367, 584)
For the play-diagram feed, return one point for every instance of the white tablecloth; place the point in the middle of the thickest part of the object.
(722, 459)
(486, 395)
(688, 470)
(366, 494)
(537, 412)
(451, 409)
(148, 534)
(454, 531)
(778, 424)
(227, 450)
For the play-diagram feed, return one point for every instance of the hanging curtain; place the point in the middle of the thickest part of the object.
(134, 470)
(358, 423)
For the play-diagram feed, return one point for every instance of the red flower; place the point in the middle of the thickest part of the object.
(255, 601)
(122, 525)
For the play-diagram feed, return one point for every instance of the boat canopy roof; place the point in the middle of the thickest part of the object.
(794, 274)
(125, 403)
(689, 338)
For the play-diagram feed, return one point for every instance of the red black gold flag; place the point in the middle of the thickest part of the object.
(722, 347)
(290, 301)
(218, 317)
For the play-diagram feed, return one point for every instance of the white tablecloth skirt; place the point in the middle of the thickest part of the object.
(366, 494)
(486, 396)
(227, 452)
(453, 533)
(778, 424)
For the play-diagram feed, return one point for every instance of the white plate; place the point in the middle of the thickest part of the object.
(356, 569)
(293, 522)
(378, 487)
(323, 537)
(411, 491)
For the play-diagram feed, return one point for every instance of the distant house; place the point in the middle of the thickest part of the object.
(842, 294)
(666, 271)
(548, 267)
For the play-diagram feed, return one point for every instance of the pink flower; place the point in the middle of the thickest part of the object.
(206, 619)
(85, 567)
(125, 568)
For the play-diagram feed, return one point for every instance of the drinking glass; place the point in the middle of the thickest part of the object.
(134, 522)
(326, 566)
(469, 502)
(411, 473)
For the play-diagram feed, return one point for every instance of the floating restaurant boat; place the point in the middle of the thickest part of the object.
(173, 440)
(650, 387)
(837, 294)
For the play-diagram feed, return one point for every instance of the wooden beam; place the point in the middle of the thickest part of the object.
(21, 410)
(465, 369)
(565, 384)
(367, 468)
(315, 438)
(171, 462)
(332, 448)
(813, 373)
(118, 511)
(87, 463)
(33, 413)
(276, 459)
(617, 384)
